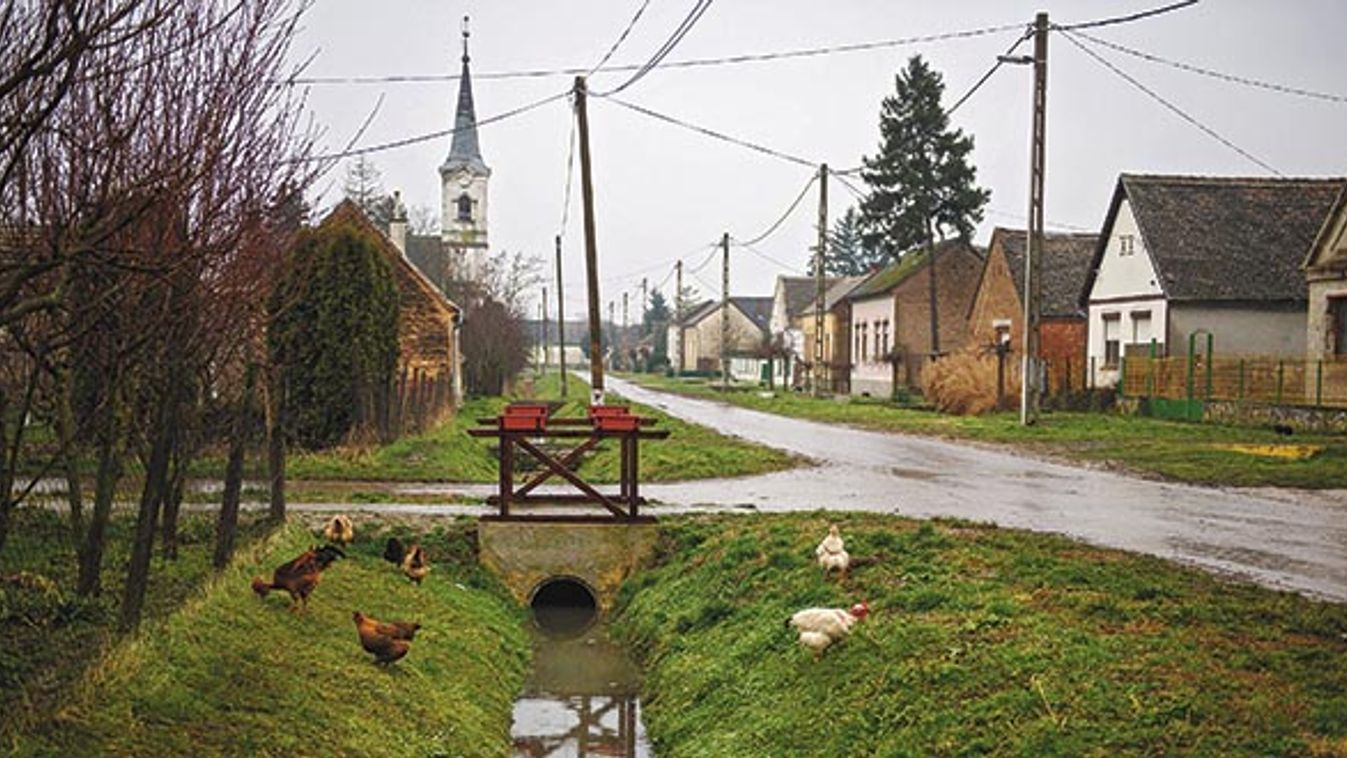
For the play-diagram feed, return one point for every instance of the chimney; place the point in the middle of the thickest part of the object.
(397, 223)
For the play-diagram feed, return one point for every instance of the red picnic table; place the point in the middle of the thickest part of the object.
(528, 426)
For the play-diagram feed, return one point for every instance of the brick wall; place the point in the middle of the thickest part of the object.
(957, 273)
(996, 299)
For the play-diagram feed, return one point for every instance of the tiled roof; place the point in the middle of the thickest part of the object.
(1066, 264)
(1226, 238)
(884, 280)
(839, 289)
(426, 253)
(758, 309)
(800, 293)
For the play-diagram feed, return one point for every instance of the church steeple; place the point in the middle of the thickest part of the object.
(464, 151)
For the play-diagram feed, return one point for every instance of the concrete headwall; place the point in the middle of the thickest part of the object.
(601, 555)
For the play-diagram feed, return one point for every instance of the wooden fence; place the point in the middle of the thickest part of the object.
(1319, 383)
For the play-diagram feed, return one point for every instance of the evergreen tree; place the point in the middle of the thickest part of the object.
(848, 255)
(334, 332)
(655, 323)
(363, 185)
(922, 184)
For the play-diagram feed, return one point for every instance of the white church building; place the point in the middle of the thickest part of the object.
(459, 251)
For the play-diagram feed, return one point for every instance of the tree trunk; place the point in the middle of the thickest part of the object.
(935, 306)
(105, 487)
(152, 495)
(6, 474)
(173, 503)
(276, 444)
(65, 429)
(226, 528)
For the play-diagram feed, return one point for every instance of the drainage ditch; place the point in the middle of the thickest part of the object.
(583, 695)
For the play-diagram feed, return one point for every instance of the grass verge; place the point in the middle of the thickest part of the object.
(1186, 452)
(981, 640)
(50, 635)
(231, 674)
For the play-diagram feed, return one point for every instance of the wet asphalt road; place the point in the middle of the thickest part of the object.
(1286, 539)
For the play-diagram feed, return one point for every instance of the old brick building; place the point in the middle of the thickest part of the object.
(997, 310)
(891, 316)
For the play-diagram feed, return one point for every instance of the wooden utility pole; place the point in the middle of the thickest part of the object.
(1033, 264)
(678, 312)
(544, 310)
(622, 340)
(725, 310)
(821, 288)
(591, 250)
(561, 323)
(612, 327)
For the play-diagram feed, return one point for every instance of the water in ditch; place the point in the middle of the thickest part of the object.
(583, 696)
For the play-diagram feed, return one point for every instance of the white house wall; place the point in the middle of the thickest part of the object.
(1239, 328)
(1129, 288)
(871, 376)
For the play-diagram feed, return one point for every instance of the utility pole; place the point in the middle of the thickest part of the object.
(612, 327)
(543, 308)
(561, 323)
(1033, 264)
(820, 255)
(591, 249)
(645, 295)
(725, 310)
(678, 312)
(622, 340)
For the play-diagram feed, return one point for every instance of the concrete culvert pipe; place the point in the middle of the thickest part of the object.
(563, 606)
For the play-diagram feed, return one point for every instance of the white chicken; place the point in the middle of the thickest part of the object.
(340, 530)
(832, 554)
(821, 627)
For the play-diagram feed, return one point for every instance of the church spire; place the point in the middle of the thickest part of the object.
(464, 150)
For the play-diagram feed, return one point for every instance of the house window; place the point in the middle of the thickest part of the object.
(1141, 327)
(885, 344)
(878, 352)
(464, 204)
(1112, 327)
(1126, 244)
(1337, 325)
(865, 353)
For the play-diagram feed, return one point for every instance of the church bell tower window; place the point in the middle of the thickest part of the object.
(464, 208)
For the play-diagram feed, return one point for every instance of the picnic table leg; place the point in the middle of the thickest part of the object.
(633, 467)
(506, 472)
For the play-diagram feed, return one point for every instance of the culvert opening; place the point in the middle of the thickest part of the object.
(564, 606)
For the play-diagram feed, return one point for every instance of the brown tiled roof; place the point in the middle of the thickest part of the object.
(758, 310)
(800, 293)
(886, 279)
(1226, 238)
(1066, 264)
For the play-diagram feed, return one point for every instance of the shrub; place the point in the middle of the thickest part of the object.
(965, 383)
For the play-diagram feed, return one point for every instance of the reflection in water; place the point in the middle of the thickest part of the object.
(582, 699)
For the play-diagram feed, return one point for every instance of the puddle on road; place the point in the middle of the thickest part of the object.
(583, 696)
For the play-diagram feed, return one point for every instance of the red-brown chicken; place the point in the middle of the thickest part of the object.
(300, 576)
(388, 641)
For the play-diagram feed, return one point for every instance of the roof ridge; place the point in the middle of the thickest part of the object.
(1230, 180)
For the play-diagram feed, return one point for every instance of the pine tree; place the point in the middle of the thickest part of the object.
(922, 185)
(363, 185)
(848, 255)
(655, 323)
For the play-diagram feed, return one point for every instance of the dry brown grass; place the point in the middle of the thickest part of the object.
(965, 383)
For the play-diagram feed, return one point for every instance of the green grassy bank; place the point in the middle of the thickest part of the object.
(228, 673)
(981, 640)
(448, 454)
(1187, 452)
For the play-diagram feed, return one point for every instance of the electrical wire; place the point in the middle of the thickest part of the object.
(570, 170)
(728, 60)
(1000, 61)
(1129, 18)
(706, 261)
(433, 135)
(1232, 78)
(793, 205)
(698, 9)
(620, 39)
(712, 133)
(1071, 37)
(766, 257)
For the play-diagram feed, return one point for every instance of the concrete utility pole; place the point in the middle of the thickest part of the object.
(622, 340)
(591, 250)
(561, 323)
(725, 310)
(612, 327)
(543, 308)
(821, 288)
(1033, 265)
(678, 312)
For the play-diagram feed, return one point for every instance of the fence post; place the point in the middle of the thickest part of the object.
(1319, 383)
(1122, 375)
(1281, 366)
(1210, 362)
(1093, 383)
(1192, 367)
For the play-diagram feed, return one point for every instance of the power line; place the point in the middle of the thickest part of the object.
(766, 257)
(728, 60)
(570, 165)
(434, 135)
(793, 205)
(706, 261)
(689, 21)
(1129, 18)
(1172, 107)
(1258, 83)
(620, 39)
(712, 133)
(1000, 60)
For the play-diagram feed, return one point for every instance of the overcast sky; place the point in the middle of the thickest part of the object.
(662, 192)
